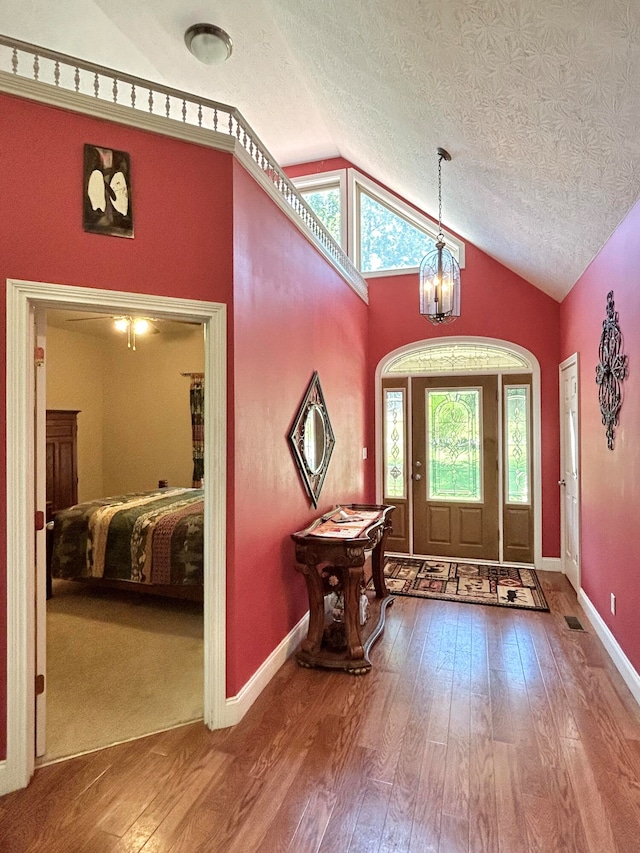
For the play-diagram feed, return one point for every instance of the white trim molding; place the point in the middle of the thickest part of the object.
(24, 298)
(620, 660)
(550, 564)
(238, 705)
(356, 182)
(174, 113)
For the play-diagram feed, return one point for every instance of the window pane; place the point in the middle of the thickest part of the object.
(517, 418)
(454, 444)
(325, 203)
(387, 241)
(394, 449)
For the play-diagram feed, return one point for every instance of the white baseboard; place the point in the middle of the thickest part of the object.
(621, 661)
(238, 705)
(6, 784)
(550, 564)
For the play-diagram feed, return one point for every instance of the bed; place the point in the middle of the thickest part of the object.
(148, 541)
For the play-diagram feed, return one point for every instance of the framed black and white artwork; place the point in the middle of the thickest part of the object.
(107, 192)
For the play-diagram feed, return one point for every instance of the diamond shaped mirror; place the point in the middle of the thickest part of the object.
(312, 440)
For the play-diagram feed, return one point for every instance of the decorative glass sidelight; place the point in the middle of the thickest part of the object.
(454, 443)
(517, 444)
(394, 443)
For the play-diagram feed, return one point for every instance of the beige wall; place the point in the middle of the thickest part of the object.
(75, 366)
(150, 438)
(134, 426)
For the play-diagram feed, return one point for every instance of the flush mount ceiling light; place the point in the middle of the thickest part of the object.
(439, 271)
(208, 43)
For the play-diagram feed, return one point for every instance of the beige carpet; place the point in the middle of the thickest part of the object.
(119, 666)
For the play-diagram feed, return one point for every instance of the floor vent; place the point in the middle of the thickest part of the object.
(574, 623)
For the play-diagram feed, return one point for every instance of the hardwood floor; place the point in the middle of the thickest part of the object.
(479, 728)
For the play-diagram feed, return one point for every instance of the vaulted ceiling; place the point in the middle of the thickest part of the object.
(536, 100)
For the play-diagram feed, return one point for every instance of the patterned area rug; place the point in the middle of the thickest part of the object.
(505, 586)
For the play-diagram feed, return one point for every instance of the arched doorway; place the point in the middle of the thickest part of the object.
(457, 440)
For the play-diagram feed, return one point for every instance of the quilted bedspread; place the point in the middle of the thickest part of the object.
(147, 537)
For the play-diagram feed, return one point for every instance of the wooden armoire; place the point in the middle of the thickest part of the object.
(62, 460)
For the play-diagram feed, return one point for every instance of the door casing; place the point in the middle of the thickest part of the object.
(536, 428)
(24, 298)
(569, 483)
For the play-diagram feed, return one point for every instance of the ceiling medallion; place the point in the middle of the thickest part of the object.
(611, 370)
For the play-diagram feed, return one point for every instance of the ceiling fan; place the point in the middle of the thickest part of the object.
(132, 325)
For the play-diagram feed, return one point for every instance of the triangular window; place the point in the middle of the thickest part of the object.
(388, 241)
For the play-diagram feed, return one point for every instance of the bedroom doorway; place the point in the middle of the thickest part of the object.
(121, 661)
(25, 627)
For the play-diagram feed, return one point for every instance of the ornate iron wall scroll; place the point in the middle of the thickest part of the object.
(611, 370)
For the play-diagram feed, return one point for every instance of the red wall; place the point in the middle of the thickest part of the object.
(293, 315)
(610, 479)
(182, 216)
(495, 303)
(194, 209)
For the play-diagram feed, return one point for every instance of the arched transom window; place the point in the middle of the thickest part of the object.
(458, 357)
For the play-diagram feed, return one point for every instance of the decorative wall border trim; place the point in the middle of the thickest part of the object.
(49, 77)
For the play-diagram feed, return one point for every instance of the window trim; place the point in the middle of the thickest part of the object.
(325, 181)
(357, 183)
(351, 183)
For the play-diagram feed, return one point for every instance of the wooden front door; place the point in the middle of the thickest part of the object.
(454, 474)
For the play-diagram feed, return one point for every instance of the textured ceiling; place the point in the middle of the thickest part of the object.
(536, 100)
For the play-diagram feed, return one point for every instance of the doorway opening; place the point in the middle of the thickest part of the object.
(457, 449)
(24, 300)
(121, 662)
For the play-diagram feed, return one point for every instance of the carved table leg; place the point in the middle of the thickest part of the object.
(377, 565)
(352, 583)
(315, 592)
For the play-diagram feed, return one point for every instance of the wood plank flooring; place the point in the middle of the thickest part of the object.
(479, 729)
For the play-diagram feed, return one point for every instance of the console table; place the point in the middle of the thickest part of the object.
(331, 554)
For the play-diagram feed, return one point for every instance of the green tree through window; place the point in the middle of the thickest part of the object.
(387, 241)
(454, 445)
(325, 203)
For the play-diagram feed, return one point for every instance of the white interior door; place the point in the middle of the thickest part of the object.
(570, 471)
(41, 543)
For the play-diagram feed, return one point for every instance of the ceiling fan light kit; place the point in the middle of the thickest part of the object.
(208, 43)
(133, 326)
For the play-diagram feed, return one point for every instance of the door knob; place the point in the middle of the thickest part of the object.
(562, 482)
(417, 476)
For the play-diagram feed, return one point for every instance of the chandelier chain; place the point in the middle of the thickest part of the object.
(440, 234)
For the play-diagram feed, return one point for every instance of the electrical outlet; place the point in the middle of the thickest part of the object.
(613, 604)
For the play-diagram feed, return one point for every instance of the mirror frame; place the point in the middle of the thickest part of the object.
(312, 480)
